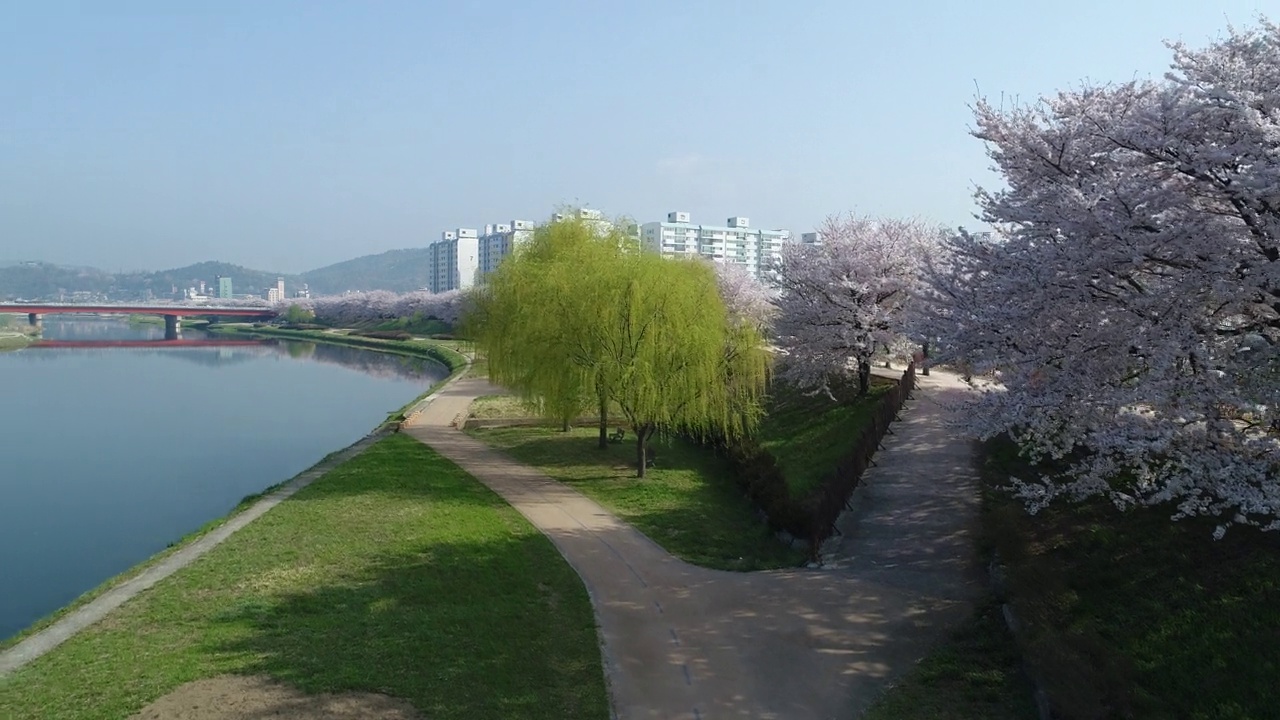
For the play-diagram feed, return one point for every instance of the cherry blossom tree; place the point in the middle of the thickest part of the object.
(747, 299)
(845, 300)
(379, 305)
(1129, 305)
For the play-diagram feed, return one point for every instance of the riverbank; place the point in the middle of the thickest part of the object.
(444, 352)
(189, 323)
(14, 341)
(15, 333)
(458, 364)
(368, 580)
(327, 463)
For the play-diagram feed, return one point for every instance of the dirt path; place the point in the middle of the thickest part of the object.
(687, 642)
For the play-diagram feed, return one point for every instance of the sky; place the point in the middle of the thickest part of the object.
(289, 135)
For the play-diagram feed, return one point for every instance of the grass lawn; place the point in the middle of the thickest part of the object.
(14, 341)
(808, 434)
(479, 368)
(975, 675)
(395, 573)
(500, 406)
(687, 504)
(1132, 615)
(416, 325)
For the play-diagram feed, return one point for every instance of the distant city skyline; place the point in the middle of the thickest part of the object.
(291, 135)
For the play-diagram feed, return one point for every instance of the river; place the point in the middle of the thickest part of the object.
(111, 454)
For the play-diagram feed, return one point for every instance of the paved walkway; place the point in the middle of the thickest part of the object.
(683, 642)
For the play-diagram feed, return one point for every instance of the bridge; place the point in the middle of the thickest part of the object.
(143, 344)
(172, 314)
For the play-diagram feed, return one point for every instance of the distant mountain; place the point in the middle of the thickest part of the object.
(42, 280)
(45, 280)
(243, 279)
(395, 270)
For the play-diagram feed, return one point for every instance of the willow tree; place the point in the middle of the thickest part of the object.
(680, 361)
(540, 315)
(579, 315)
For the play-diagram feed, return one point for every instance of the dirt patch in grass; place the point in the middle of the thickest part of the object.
(231, 697)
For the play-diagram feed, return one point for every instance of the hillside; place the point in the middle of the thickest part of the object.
(395, 270)
(243, 279)
(45, 280)
(40, 280)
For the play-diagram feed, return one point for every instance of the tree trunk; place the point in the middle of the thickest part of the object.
(924, 359)
(604, 424)
(641, 450)
(564, 427)
(864, 376)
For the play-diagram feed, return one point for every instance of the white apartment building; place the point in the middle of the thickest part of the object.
(811, 238)
(500, 240)
(462, 258)
(734, 242)
(454, 260)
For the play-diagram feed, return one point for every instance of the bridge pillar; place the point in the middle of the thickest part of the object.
(172, 327)
(36, 319)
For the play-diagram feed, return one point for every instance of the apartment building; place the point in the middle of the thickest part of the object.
(462, 258)
(454, 260)
(500, 240)
(734, 242)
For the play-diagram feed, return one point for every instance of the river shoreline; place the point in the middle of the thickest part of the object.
(436, 351)
(455, 363)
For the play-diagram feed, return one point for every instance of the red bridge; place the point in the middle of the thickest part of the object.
(147, 344)
(173, 314)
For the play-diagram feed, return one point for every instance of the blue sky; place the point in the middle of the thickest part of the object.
(288, 135)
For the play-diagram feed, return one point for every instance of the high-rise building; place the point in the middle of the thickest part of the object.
(280, 288)
(454, 260)
(273, 295)
(462, 258)
(734, 242)
(224, 288)
(811, 238)
(500, 240)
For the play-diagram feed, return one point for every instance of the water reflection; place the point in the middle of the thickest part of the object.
(203, 348)
(72, 327)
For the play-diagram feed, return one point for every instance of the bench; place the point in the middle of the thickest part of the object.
(617, 435)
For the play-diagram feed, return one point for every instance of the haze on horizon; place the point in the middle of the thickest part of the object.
(286, 136)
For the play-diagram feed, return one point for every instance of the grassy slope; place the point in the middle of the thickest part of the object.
(1125, 615)
(1133, 614)
(975, 675)
(90, 595)
(688, 503)
(395, 573)
(808, 433)
(14, 341)
(501, 406)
